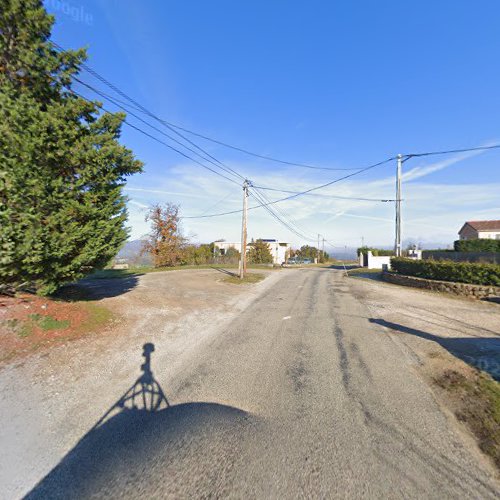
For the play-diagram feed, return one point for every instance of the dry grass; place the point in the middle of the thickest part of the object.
(476, 398)
(249, 278)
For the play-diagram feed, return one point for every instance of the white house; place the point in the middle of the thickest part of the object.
(279, 250)
(480, 229)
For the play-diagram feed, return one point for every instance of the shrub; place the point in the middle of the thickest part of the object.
(260, 253)
(480, 245)
(376, 252)
(446, 270)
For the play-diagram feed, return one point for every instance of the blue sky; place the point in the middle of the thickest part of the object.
(330, 83)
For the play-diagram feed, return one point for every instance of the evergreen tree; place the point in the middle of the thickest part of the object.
(260, 253)
(62, 169)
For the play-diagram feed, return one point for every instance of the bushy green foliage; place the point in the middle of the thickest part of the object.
(198, 254)
(446, 270)
(231, 253)
(376, 252)
(62, 169)
(260, 253)
(479, 245)
(309, 252)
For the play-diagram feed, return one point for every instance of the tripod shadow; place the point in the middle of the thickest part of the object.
(144, 395)
(140, 444)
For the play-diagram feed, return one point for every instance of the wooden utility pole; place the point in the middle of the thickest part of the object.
(243, 259)
(397, 244)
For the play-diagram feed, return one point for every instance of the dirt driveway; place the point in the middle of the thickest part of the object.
(50, 399)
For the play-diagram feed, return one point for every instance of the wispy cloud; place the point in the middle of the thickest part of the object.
(431, 211)
(164, 192)
(137, 204)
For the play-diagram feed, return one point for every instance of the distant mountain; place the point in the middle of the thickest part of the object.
(131, 252)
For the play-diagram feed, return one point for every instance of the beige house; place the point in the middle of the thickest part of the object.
(480, 229)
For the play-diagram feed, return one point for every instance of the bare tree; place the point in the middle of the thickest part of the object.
(165, 242)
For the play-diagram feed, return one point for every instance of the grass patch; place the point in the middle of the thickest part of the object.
(249, 278)
(98, 316)
(21, 328)
(47, 323)
(478, 406)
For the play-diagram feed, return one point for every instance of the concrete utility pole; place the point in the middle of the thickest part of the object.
(243, 259)
(317, 253)
(397, 244)
(323, 247)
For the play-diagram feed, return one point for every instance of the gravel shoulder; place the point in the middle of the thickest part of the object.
(50, 399)
(455, 345)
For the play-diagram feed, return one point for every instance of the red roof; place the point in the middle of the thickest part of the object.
(484, 225)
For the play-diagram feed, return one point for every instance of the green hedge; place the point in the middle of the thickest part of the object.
(481, 245)
(376, 252)
(446, 270)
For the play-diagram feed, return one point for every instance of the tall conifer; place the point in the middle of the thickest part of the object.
(62, 169)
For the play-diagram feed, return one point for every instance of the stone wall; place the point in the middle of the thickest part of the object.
(462, 289)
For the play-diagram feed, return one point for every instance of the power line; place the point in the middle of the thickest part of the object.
(219, 202)
(275, 216)
(143, 109)
(449, 151)
(281, 212)
(300, 193)
(175, 128)
(157, 140)
(278, 215)
(121, 106)
(146, 133)
(325, 195)
(284, 217)
(247, 152)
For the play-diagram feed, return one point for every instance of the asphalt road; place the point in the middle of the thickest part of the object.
(300, 397)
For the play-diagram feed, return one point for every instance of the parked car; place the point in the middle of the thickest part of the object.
(307, 261)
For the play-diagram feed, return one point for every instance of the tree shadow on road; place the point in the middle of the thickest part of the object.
(89, 289)
(144, 446)
(480, 352)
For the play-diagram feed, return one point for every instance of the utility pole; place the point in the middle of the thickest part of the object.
(397, 244)
(317, 253)
(362, 241)
(323, 247)
(243, 259)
